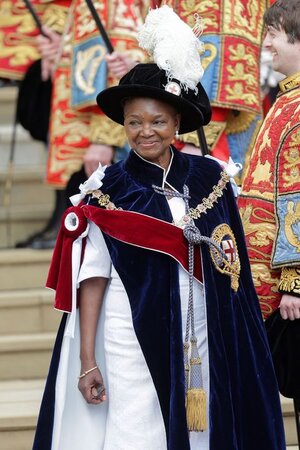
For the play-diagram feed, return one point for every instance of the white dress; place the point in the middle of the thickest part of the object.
(131, 418)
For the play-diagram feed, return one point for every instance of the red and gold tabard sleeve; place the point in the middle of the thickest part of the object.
(124, 20)
(121, 20)
(76, 120)
(68, 129)
(17, 35)
(256, 206)
(270, 202)
(18, 32)
(232, 37)
(55, 14)
(68, 133)
(286, 249)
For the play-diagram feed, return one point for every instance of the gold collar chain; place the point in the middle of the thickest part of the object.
(194, 213)
(207, 202)
(290, 82)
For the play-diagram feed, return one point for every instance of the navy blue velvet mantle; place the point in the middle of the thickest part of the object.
(244, 404)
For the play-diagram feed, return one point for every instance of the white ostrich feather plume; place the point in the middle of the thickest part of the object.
(173, 46)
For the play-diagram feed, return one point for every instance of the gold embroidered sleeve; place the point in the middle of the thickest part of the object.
(105, 131)
(290, 281)
(190, 138)
(212, 131)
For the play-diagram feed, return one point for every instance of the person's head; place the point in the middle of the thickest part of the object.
(154, 100)
(150, 127)
(282, 38)
(152, 107)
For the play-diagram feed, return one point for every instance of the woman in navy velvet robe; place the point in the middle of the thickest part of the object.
(167, 345)
(126, 342)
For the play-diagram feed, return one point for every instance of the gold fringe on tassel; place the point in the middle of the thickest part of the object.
(196, 409)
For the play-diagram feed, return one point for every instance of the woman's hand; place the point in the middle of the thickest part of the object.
(90, 299)
(92, 388)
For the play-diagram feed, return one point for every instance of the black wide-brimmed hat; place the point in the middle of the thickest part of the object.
(148, 80)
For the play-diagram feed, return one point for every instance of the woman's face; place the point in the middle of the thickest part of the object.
(150, 127)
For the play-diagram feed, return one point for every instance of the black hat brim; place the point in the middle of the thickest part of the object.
(111, 101)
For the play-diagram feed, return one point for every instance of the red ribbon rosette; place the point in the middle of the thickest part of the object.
(73, 225)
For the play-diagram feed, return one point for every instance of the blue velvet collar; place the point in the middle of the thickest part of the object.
(148, 173)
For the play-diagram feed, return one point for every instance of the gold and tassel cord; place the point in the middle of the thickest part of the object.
(195, 396)
(196, 409)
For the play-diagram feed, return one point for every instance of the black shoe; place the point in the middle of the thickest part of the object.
(46, 238)
(29, 240)
(44, 241)
(41, 241)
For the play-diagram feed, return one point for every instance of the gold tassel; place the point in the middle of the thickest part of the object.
(196, 409)
(196, 396)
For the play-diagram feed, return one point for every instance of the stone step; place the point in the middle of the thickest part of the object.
(289, 420)
(26, 204)
(27, 151)
(23, 186)
(29, 311)
(25, 356)
(19, 406)
(23, 268)
(20, 222)
(8, 97)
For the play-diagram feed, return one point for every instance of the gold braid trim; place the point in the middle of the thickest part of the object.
(212, 131)
(207, 203)
(290, 82)
(190, 138)
(104, 131)
(290, 281)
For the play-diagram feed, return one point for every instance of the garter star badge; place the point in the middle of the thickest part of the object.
(231, 266)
